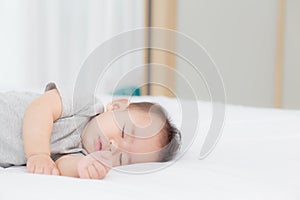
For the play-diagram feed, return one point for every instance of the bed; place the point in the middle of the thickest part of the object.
(257, 157)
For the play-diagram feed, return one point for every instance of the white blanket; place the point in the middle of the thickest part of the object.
(257, 157)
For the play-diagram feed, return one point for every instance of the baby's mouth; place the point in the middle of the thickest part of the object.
(98, 144)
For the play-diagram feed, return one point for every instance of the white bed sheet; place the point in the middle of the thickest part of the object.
(258, 157)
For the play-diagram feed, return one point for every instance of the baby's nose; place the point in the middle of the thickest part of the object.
(113, 146)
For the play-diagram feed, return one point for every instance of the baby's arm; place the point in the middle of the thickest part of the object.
(37, 128)
(84, 166)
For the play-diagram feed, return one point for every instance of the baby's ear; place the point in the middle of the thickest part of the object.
(120, 104)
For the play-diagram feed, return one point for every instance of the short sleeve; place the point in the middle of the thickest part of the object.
(70, 107)
(66, 102)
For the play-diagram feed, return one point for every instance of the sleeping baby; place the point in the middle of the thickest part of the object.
(50, 134)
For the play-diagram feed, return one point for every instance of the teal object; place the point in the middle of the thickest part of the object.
(128, 91)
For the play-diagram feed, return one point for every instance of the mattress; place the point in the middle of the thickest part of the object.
(257, 157)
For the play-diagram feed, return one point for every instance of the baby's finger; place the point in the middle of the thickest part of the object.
(55, 171)
(100, 170)
(47, 170)
(39, 170)
(93, 172)
(83, 173)
(30, 168)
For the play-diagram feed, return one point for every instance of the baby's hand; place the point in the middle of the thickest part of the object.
(41, 164)
(95, 165)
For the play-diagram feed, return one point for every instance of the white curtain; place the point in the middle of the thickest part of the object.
(48, 40)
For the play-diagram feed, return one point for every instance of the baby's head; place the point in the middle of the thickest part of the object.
(133, 132)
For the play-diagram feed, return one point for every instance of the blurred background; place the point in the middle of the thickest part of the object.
(255, 45)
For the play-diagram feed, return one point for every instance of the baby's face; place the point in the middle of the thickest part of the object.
(133, 136)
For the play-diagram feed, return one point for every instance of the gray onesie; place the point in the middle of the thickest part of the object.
(65, 138)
